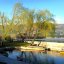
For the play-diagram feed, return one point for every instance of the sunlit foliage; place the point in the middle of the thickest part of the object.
(29, 22)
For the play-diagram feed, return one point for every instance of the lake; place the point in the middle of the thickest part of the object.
(33, 57)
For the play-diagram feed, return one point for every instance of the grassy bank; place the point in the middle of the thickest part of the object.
(5, 44)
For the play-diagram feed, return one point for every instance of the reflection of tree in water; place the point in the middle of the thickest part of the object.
(42, 59)
(51, 60)
(27, 57)
(47, 57)
(4, 53)
(10, 51)
(35, 58)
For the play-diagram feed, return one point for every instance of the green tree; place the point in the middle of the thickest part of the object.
(18, 17)
(45, 22)
(30, 22)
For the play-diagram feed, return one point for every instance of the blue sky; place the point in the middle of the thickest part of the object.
(54, 6)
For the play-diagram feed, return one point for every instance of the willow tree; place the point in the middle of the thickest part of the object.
(48, 23)
(4, 21)
(38, 23)
(45, 22)
(22, 19)
(17, 20)
(48, 29)
(30, 22)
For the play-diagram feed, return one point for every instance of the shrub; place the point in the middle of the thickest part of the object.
(8, 39)
(49, 49)
(0, 38)
(20, 37)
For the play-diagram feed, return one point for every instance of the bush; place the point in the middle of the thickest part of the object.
(8, 39)
(49, 49)
(20, 37)
(0, 38)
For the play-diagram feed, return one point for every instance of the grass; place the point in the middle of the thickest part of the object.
(13, 44)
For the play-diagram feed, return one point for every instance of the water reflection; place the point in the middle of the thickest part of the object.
(32, 57)
(35, 57)
(4, 53)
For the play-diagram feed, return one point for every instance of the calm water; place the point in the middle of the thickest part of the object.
(35, 57)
